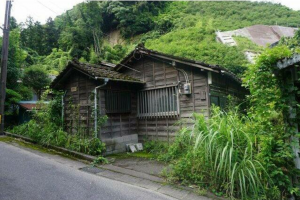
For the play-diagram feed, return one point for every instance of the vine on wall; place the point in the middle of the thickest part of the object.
(270, 106)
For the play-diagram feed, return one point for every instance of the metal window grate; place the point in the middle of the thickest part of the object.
(163, 102)
(117, 101)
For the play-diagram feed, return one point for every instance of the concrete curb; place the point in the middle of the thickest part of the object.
(154, 183)
(163, 188)
(60, 149)
(130, 172)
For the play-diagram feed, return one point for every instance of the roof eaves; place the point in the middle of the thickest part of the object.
(61, 75)
(194, 63)
(286, 62)
(94, 72)
(121, 80)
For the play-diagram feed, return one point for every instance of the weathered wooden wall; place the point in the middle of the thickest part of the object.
(158, 74)
(224, 86)
(79, 107)
(78, 104)
(118, 124)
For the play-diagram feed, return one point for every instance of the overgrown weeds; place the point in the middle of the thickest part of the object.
(45, 128)
(49, 134)
(219, 153)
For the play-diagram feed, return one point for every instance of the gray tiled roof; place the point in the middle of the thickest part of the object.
(100, 71)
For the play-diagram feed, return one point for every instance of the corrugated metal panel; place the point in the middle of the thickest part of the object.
(262, 35)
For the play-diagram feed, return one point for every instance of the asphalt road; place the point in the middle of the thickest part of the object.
(25, 175)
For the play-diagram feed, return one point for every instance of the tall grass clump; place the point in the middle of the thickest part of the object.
(221, 155)
(250, 155)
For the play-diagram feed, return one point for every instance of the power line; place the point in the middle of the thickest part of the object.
(47, 7)
(56, 5)
(31, 13)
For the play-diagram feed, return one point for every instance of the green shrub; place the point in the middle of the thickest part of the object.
(95, 147)
(156, 147)
(199, 43)
(49, 134)
(100, 160)
(46, 129)
(269, 108)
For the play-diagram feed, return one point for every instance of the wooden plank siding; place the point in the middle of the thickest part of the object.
(227, 86)
(78, 104)
(159, 74)
(118, 124)
(80, 118)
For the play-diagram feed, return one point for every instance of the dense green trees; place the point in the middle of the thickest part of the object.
(88, 24)
(233, 15)
(38, 37)
(184, 29)
(36, 78)
(16, 59)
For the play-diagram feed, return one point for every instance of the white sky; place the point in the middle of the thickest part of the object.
(41, 10)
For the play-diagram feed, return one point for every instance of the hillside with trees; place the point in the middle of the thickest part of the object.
(185, 29)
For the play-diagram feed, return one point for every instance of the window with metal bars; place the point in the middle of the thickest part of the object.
(117, 101)
(161, 102)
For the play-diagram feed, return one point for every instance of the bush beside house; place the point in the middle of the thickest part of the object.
(46, 128)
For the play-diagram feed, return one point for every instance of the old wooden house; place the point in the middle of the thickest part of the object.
(148, 95)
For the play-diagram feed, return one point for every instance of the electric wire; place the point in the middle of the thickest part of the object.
(31, 13)
(130, 68)
(47, 7)
(57, 6)
(181, 70)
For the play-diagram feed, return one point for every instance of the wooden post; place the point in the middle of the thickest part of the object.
(4, 59)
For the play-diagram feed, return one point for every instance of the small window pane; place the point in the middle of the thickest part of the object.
(214, 100)
(223, 102)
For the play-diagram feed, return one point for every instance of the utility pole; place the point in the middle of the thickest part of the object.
(4, 58)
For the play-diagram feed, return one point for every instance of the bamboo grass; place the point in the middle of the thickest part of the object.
(223, 146)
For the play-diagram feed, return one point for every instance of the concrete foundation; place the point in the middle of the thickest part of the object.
(118, 144)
